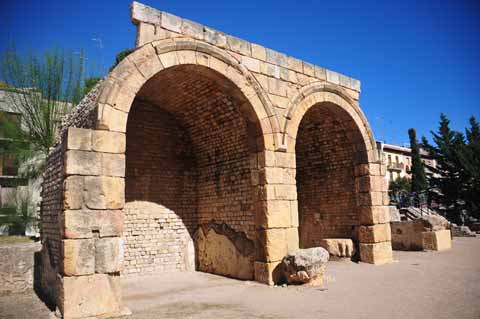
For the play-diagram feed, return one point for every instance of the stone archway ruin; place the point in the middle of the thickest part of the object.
(185, 156)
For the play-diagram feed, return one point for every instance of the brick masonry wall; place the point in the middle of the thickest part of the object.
(52, 203)
(188, 152)
(325, 179)
(160, 211)
(50, 215)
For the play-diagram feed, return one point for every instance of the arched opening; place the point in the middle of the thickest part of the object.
(191, 136)
(328, 147)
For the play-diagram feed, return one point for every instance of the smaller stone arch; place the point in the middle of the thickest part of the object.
(340, 188)
(319, 92)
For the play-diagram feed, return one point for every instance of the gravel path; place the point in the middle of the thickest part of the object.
(418, 285)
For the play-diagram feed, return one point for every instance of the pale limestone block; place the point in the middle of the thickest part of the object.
(270, 70)
(214, 37)
(275, 214)
(238, 45)
(108, 142)
(116, 94)
(377, 254)
(113, 164)
(186, 57)
(338, 247)
(145, 34)
(168, 59)
(79, 139)
(109, 253)
(374, 234)
(333, 77)
(308, 69)
(259, 52)
(78, 257)
(276, 58)
(127, 72)
(82, 163)
(104, 192)
(437, 240)
(171, 22)
(320, 73)
(143, 13)
(267, 272)
(251, 64)
(295, 64)
(146, 61)
(294, 213)
(192, 29)
(370, 215)
(274, 241)
(79, 296)
(112, 119)
(73, 192)
(277, 87)
(288, 192)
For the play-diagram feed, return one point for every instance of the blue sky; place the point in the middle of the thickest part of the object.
(415, 58)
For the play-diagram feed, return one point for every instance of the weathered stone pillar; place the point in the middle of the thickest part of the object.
(92, 224)
(277, 216)
(374, 234)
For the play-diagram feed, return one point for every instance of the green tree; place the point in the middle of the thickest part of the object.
(469, 157)
(90, 84)
(419, 179)
(399, 189)
(120, 56)
(448, 183)
(42, 88)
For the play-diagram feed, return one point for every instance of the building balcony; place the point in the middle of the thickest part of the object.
(395, 166)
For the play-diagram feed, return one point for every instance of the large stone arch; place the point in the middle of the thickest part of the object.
(122, 84)
(126, 81)
(340, 190)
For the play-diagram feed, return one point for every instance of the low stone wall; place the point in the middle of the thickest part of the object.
(412, 235)
(17, 266)
(462, 231)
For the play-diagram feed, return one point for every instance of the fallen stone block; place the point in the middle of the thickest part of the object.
(306, 266)
(339, 248)
(437, 240)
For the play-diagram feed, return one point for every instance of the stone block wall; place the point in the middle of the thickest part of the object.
(160, 211)
(91, 222)
(413, 235)
(17, 267)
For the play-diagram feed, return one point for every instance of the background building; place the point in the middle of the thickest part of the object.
(399, 161)
(9, 177)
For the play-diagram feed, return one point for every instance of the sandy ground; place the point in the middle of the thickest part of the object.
(417, 285)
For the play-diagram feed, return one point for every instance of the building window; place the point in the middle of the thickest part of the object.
(389, 159)
(390, 176)
(8, 163)
(14, 118)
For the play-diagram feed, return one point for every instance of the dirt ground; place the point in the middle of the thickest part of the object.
(417, 285)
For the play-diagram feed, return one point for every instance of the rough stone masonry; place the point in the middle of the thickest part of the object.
(204, 151)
